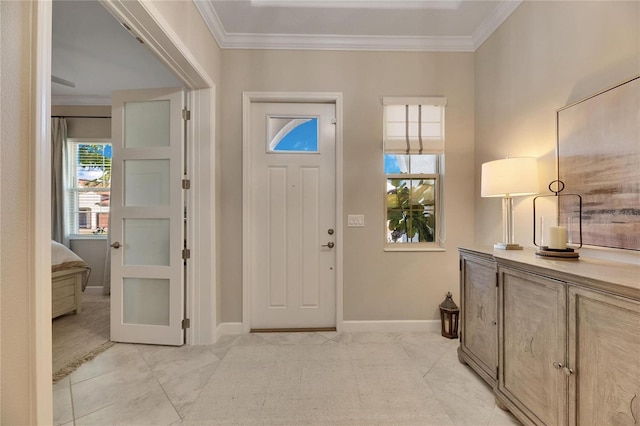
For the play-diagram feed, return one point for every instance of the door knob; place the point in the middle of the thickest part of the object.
(557, 365)
(116, 245)
(330, 244)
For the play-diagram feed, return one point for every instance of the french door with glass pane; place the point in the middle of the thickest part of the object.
(147, 217)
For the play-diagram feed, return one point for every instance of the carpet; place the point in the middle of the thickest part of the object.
(79, 338)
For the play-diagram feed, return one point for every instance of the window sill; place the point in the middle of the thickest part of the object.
(88, 237)
(399, 247)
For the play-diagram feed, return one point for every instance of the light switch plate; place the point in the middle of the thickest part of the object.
(355, 220)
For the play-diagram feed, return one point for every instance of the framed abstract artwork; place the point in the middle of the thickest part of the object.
(598, 152)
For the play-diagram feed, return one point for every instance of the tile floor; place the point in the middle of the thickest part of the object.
(281, 379)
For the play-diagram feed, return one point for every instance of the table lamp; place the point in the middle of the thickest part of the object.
(509, 178)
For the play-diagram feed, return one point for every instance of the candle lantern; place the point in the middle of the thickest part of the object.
(558, 236)
(449, 314)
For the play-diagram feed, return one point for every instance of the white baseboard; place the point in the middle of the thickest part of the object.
(433, 326)
(391, 326)
(226, 328)
(93, 289)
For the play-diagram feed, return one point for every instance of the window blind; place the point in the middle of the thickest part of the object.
(414, 125)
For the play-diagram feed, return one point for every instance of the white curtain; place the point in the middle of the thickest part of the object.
(58, 148)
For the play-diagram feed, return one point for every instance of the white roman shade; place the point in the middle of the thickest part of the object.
(414, 125)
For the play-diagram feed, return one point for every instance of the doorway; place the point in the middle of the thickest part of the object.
(202, 306)
(95, 55)
(292, 195)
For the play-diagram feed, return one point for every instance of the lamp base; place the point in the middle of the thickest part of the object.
(507, 246)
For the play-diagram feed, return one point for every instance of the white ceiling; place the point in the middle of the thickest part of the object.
(92, 50)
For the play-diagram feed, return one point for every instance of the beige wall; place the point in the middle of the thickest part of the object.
(378, 285)
(545, 56)
(85, 127)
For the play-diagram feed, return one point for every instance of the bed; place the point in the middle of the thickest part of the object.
(69, 277)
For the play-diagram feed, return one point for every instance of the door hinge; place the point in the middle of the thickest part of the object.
(186, 114)
(186, 254)
(186, 323)
(186, 184)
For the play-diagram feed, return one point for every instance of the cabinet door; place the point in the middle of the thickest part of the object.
(604, 352)
(533, 338)
(479, 339)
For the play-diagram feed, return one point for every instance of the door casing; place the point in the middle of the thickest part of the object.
(302, 97)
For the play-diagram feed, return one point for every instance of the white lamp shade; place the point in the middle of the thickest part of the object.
(510, 177)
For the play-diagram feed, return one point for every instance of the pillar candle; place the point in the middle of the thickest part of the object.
(558, 237)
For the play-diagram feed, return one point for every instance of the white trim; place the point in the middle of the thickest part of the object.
(201, 294)
(426, 247)
(40, 203)
(334, 42)
(95, 290)
(247, 272)
(497, 17)
(307, 97)
(361, 4)
(415, 100)
(228, 328)
(358, 42)
(391, 326)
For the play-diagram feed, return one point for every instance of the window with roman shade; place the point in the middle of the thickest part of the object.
(413, 164)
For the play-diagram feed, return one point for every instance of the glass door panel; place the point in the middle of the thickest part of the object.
(146, 301)
(147, 215)
(146, 182)
(147, 242)
(146, 124)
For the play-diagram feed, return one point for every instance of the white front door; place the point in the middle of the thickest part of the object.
(147, 208)
(292, 215)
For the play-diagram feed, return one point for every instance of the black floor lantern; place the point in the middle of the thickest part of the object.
(449, 314)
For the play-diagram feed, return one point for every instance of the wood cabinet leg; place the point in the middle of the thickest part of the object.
(461, 357)
(501, 405)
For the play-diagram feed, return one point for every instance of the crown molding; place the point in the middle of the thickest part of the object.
(499, 15)
(333, 42)
(342, 42)
(361, 4)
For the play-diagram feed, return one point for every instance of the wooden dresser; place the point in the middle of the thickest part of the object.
(559, 341)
